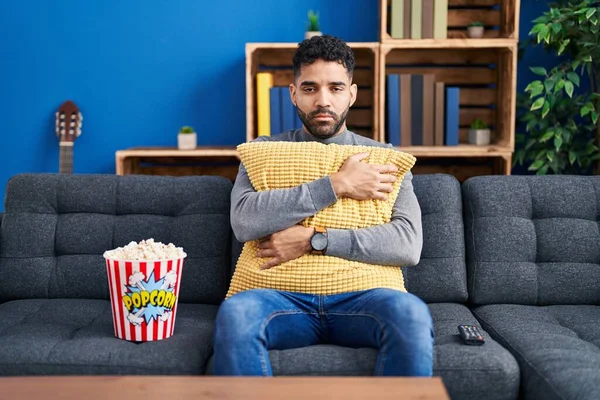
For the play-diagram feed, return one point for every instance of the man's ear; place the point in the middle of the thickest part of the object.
(353, 93)
(293, 93)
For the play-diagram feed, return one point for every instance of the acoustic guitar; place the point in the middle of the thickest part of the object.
(68, 128)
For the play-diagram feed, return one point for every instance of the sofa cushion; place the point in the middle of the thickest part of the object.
(441, 275)
(557, 347)
(74, 336)
(73, 219)
(533, 239)
(469, 372)
(280, 165)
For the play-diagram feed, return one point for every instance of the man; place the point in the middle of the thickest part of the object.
(397, 323)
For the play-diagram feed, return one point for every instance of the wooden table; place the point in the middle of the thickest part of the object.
(222, 161)
(209, 387)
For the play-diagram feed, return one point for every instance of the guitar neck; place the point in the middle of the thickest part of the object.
(66, 158)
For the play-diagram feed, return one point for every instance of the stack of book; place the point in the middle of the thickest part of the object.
(275, 110)
(420, 111)
(419, 19)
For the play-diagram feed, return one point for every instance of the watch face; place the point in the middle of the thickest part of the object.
(318, 241)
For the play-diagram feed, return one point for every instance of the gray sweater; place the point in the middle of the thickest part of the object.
(258, 214)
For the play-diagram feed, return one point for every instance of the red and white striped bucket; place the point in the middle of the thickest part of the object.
(144, 297)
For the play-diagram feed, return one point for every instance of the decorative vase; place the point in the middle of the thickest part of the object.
(186, 141)
(475, 31)
(479, 137)
(309, 34)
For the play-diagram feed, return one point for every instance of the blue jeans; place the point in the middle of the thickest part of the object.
(251, 323)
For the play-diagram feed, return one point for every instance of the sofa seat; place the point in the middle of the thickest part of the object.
(487, 371)
(557, 347)
(76, 336)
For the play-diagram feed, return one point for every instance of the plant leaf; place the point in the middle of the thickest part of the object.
(545, 109)
(558, 141)
(569, 88)
(556, 27)
(590, 12)
(530, 143)
(573, 77)
(536, 165)
(538, 103)
(547, 136)
(572, 157)
(549, 84)
(539, 71)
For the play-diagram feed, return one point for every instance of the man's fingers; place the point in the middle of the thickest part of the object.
(385, 168)
(386, 188)
(359, 156)
(270, 264)
(264, 253)
(264, 244)
(380, 196)
(387, 178)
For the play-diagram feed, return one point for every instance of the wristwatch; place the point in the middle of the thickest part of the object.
(318, 241)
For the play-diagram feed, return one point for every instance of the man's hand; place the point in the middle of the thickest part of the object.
(363, 181)
(285, 245)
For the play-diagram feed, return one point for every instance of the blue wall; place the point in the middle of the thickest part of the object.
(140, 69)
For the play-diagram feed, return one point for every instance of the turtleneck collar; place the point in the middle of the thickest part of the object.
(337, 139)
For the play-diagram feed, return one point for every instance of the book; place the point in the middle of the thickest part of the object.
(427, 19)
(438, 139)
(440, 19)
(416, 19)
(275, 108)
(416, 115)
(428, 108)
(397, 19)
(393, 109)
(452, 115)
(405, 105)
(264, 81)
(288, 111)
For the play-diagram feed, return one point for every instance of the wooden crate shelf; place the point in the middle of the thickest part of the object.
(222, 161)
(363, 117)
(500, 17)
(487, 82)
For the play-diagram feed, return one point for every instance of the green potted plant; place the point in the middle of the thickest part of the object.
(479, 133)
(313, 28)
(475, 29)
(559, 123)
(187, 138)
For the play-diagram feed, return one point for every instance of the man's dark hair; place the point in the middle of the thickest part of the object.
(326, 48)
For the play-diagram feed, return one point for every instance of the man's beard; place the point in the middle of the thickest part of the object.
(322, 129)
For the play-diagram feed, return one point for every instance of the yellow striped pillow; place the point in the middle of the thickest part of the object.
(278, 165)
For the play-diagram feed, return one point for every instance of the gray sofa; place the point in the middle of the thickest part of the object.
(527, 270)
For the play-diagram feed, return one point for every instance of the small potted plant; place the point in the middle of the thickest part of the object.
(475, 29)
(186, 139)
(313, 28)
(479, 134)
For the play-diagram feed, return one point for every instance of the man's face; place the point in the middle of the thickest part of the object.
(323, 94)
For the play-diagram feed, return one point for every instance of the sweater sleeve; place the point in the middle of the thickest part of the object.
(398, 242)
(255, 215)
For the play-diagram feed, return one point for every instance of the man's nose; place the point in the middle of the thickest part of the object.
(323, 99)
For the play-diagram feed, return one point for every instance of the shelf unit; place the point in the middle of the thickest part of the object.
(222, 161)
(363, 117)
(501, 18)
(485, 71)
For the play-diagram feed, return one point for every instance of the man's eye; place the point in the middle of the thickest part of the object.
(338, 89)
(309, 89)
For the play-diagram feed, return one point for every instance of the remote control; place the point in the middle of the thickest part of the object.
(471, 335)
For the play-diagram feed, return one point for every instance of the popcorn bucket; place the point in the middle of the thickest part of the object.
(144, 297)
